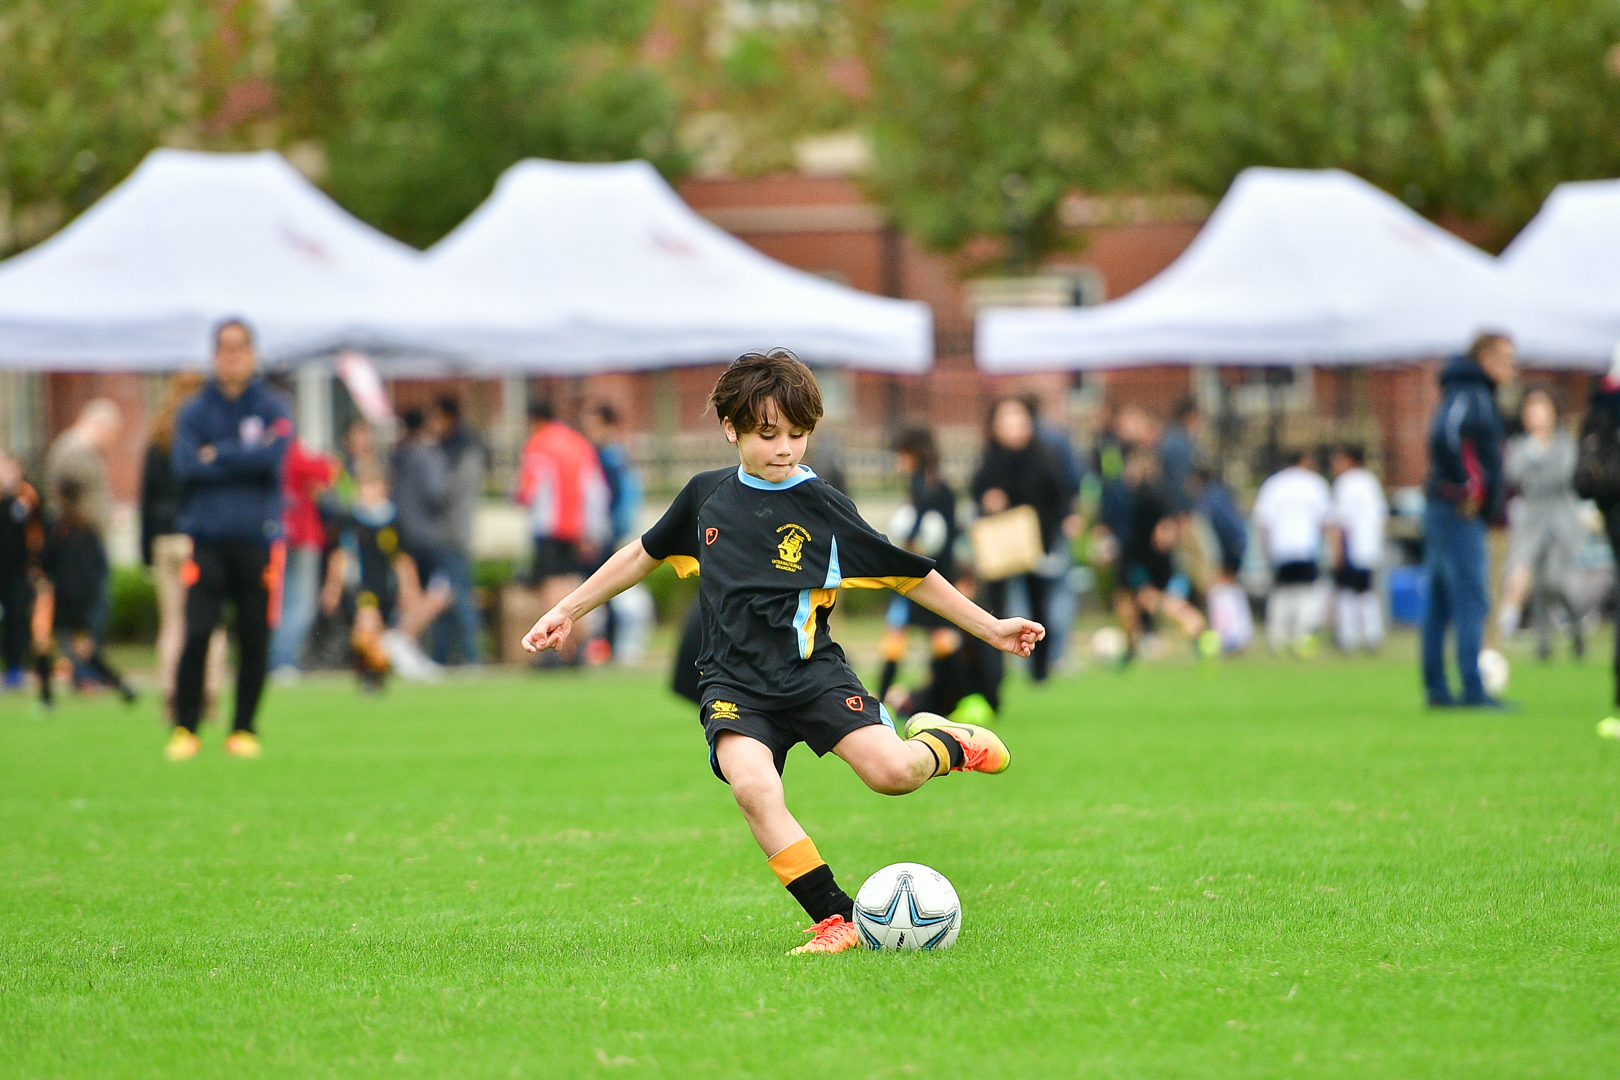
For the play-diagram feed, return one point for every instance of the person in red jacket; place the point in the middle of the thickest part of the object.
(305, 474)
(560, 481)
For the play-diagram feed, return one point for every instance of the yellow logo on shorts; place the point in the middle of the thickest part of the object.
(790, 552)
(722, 710)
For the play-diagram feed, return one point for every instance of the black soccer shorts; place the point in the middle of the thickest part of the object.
(820, 724)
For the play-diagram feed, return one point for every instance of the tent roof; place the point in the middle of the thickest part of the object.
(580, 267)
(1293, 266)
(1571, 251)
(138, 280)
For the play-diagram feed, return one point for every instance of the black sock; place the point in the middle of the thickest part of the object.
(42, 668)
(891, 668)
(820, 895)
(952, 746)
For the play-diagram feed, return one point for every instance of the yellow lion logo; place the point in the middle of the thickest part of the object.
(790, 552)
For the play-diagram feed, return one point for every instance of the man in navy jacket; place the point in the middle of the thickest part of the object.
(229, 442)
(1464, 491)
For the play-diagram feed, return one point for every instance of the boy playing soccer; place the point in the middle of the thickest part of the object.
(774, 544)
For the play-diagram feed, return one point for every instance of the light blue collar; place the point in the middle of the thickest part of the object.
(750, 480)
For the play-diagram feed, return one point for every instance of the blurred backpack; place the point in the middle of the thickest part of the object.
(1597, 466)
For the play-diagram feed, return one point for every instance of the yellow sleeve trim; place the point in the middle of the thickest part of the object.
(685, 565)
(819, 598)
(794, 861)
(901, 585)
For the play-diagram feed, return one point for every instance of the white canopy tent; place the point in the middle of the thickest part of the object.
(1571, 250)
(576, 268)
(138, 280)
(1293, 267)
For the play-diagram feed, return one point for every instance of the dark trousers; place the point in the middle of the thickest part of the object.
(243, 572)
(1611, 525)
(1459, 599)
(17, 600)
(1036, 589)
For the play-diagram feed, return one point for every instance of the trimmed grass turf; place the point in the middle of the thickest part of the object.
(1264, 869)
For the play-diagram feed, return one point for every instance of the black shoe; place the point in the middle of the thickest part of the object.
(1440, 703)
(1491, 704)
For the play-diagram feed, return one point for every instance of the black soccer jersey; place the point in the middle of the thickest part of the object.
(772, 559)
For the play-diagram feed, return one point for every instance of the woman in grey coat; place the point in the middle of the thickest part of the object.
(1544, 525)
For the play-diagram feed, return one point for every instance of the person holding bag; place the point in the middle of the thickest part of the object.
(1019, 470)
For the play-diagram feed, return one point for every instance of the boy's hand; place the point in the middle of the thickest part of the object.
(1017, 636)
(551, 631)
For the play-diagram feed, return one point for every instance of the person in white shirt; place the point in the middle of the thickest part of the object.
(1360, 512)
(1290, 512)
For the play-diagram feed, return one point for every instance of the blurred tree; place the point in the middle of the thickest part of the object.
(755, 79)
(420, 104)
(985, 111)
(87, 87)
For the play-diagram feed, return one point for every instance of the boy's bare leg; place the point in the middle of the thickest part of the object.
(1190, 618)
(426, 606)
(1125, 612)
(791, 855)
(885, 762)
(757, 787)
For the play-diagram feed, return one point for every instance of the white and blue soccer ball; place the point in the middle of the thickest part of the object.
(908, 906)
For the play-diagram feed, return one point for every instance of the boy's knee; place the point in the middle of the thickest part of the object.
(753, 790)
(895, 774)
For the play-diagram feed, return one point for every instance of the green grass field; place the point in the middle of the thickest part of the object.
(1269, 869)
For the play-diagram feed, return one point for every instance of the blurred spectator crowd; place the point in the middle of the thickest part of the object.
(377, 570)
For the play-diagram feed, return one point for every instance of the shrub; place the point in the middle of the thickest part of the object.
(132, 614)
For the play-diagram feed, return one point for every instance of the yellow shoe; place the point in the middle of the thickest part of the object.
(832, 934)
(243, 744)
(182, 745)
(982, 750)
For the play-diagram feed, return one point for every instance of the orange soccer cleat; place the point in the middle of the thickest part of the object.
(982, 750)
(832, 934)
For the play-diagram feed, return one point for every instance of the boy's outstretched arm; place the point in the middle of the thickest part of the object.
(1017, 636)
(623, 569)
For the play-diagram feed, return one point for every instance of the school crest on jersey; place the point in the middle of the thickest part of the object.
(790, 549)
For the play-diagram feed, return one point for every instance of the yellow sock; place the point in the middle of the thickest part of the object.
(795, 861)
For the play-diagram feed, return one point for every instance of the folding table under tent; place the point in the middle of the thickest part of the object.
(1293, 267)
(137, 281)
(581, 268)
(1570, 251)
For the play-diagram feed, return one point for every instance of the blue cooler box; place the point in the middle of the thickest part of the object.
(1408, 594)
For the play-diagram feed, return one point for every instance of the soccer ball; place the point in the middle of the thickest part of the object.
(1493, 671)
(1108, 644)
(908, 906)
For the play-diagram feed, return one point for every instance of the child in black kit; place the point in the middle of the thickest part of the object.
(75, 564)
(22, 537)
(773, 545)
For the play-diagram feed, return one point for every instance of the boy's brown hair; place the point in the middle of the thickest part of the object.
(754, 379)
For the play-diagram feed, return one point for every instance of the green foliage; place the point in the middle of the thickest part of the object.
(132, 612)
(1265, 869)
(492, 573)
(87, 87)
(672, 594)
(984, 113)
(422, 104)
(773, 72)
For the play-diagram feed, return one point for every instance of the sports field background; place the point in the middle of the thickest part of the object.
(1262, 868)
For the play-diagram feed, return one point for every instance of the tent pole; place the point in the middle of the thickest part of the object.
(314, 383)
